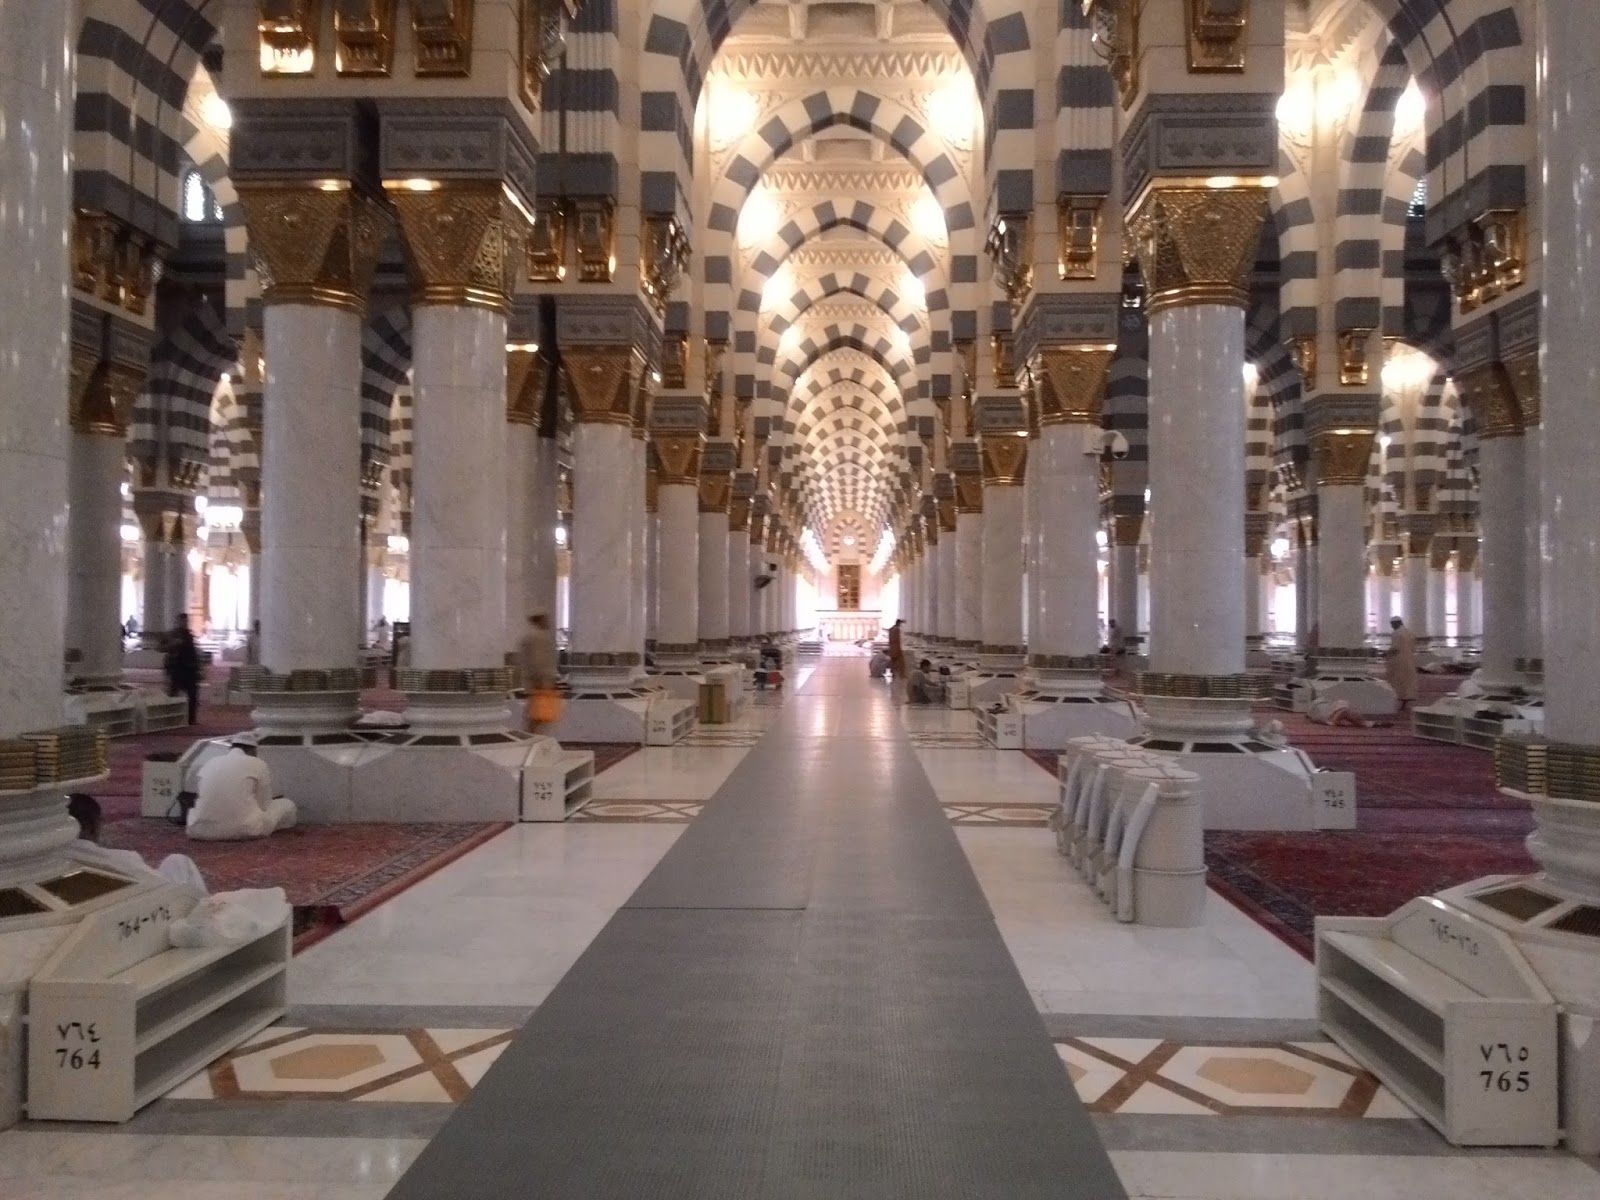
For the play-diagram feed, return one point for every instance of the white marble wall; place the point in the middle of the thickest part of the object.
(1197, 439)
(520, 518)
(458, 508)
(94, 579)
(603, 533)
(311, 489)
(1002, 566)
(36, 43)
(741, 595)
(713, 620)
(678, 569)
(1570, 500)
(1066, 582)
(539, 569)
(969, 577)
(1342, 565)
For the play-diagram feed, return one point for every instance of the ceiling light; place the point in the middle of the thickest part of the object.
(758, 219)
(1410, 111)
(927, 216)
(732, 111)
(214, 111)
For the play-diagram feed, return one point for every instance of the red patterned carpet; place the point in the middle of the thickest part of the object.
(1428, 818)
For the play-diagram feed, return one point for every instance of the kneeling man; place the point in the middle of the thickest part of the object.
(235, 799)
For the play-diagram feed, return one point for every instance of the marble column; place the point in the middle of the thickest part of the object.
(94, 538)
(949, 576)
(740, 593)
(165, 566)
(1254, 595)
(311, 439)
(1341, 463)
(1197, 437)
(969, 568)
(1305, 551)
(36, 76)
(544, 514)
(1002, 422)
(760, 606)
(1500, 519)
(458, 514)
(1468, 610)
(1125, 532)
(1414, 587)
(603, 654)
(1438, 583)
(678, 426)
(715, 486)
(1383, 596)
(652, 561)
(525, 377)
(1064, 476)
(639, 511)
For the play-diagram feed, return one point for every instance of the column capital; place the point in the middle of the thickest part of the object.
(463, 238)
(1126, 528)
(1071, 381)
(1197, 244)
(600, 385)
(1002, 424)
(527, 371)
(313, 242)
(1487, 392)
(717, 463)
(1340, 457)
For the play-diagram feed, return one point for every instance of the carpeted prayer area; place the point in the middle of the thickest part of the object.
(1428, 817)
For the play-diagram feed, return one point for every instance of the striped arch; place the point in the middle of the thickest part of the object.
(813, 346)
(580, 104)
(229, 443)
(1127, 411)
(171, 423)
(909, 317)
(1279, 386)
(682, 37)
(401, 423)
(1473, 62)
(887, 120)
(834, 309)
(846, 375)
(136, 59)
(1457, 495)
(850, 408)
(850, 429)
(1294, 218)
(208, 150)
(385, 368)
(1085, 108)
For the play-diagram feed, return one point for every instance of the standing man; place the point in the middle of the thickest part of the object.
(182, 665)
(541, 676)
(897, 660)
(1401, 668)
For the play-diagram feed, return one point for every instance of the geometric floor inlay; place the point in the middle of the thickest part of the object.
(420, 1066)
(949, 741)
(1019, 816)
(738, 739)
(653, 812)
(1152, 1076)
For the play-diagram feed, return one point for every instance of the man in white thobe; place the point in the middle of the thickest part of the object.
(235, 799)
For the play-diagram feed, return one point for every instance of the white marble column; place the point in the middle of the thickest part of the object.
(678, 573)
(1254, 598)
(1414, 597)
(94, 538)
(1500, 520)
(1342, 566)
(969, 579)
(762, 605)
(1125, 587)
(539, 567)
(1467, 608)
(36, 44)
(1438, 601)
(1002, 573)
(949, 589)
(1533, 550)
(458, 514)
(930, 582)
(520, 437)
(1383, 600)
(652, 576)
(741, 594)
(603, 651)
(1197, 437)
(1066, 487)
(713, 621)
(636, 484)
(311, 489)
(1304, 591)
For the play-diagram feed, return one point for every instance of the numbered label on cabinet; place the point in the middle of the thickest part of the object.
(1334, 793)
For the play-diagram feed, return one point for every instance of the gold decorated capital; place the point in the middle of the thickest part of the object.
(716, 488)
(1196, 244)
(1005, 459)
(969, 492)
(739, 520)
(947, 516)
(1126, 529)
(314, 244)
(464, 241)
(679, 456)
(1341, 456)
(526, 373)
(599, 384)
(1487, 392)
(106, 400)
(1072, 383)
(1522, 376)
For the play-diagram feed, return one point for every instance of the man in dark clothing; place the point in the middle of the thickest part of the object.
(182, 665)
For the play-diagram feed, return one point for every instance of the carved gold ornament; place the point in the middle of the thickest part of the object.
(969, 492)
(1010, 249)
(1340, 456)
(595, 231)
(1522, 374)
(442, 31)
(1217, 34)
(679, 456)
(599, 385)
(1126, 528)
(1005, 459)
(1005, 372)
(1197, 245)
(739, 519)
(542, 35)
(1071, 382)
(526, 373)
(287, 32)
(1486, 391)
(715, 491)
(1354, 369)
(363, 37)
(1487, 258)
(314, 244)
(1303, 350)
(547, 242)
(463, 241)
(1116, 41)
(664, 252)
(114, 261)
(1078, 236)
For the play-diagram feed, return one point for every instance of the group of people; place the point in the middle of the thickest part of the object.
(919, 685)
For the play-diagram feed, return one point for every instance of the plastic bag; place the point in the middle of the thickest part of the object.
(229, 918)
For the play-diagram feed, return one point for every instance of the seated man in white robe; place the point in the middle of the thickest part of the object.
(235, 799)
(174, 868)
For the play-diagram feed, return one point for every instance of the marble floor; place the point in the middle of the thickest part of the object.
(1195, 1050)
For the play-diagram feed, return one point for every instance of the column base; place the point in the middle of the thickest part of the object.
(295, 713)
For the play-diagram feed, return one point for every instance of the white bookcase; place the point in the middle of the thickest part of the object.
(1002, 730)
(1443, 1008)
(165, 712)
(117, 1016)
(668, 721)
(554, 786)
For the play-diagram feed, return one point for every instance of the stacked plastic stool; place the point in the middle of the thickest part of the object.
(1131, 822)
